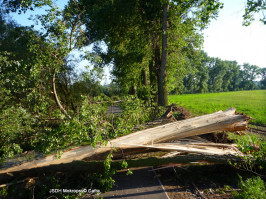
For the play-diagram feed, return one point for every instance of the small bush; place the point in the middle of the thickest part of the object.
(252, 188)
(16, 128)
(254, 149)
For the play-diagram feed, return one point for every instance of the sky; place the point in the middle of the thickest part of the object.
(227, 39)
(224, 38)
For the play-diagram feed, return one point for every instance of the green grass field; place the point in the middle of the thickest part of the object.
(252, 103)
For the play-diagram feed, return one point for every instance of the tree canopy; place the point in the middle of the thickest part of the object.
(135, 34)
(254, 7)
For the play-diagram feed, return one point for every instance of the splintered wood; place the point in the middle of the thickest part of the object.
(156, 138)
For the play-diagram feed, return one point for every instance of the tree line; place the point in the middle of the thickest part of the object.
(154, 48)
(216, 75)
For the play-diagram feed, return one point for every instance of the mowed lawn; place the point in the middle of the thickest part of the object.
(252, 103)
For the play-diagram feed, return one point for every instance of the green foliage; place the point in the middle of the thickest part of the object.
(253, 7)
(216, 75)
(28, 62)
(254, 149)
(17, 126)
(249, 143)
(21, 131)
(105, 180)
(263, 79)
(3, 192)
(133, 36)
(134, 113)
(251, 188)
(89, 127)
(23, 6)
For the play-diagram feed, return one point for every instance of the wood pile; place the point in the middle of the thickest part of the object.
(182, 134)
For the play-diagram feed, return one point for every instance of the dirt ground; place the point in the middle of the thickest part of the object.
(199, 182)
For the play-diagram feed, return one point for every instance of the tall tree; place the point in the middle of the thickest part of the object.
(62, 32)
(162, 86)
(232, 75)
(142, 24)
(263, 78)
(249, 74)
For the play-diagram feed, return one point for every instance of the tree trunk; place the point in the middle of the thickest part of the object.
(133, 90)
(162, 86)
(57, 99)
(145, 94)
(145, 77)
(155, 67)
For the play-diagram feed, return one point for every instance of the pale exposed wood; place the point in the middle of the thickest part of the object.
(219, 121)
(16, 182)
(200, 148)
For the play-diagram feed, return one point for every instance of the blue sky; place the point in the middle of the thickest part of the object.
(225, 37)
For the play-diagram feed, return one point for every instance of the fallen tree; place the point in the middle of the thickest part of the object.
(152, 138)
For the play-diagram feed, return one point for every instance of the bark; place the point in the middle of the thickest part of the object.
(74, 26)
(152, 77)
(157, 65)
(133, 90)
(145, 77)
(162, 86)
(149, 138)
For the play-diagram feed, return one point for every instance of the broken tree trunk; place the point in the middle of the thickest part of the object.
(219, 121)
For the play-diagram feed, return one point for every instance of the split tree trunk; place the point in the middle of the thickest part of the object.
(219, 121)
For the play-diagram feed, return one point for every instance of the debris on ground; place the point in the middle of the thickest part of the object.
(156, 138)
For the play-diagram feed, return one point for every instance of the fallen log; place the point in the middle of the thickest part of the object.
(219, 121)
